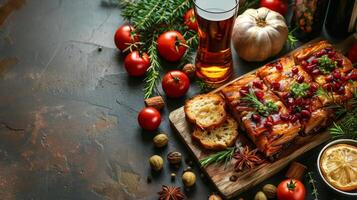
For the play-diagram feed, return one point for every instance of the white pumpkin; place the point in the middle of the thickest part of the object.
(259, 34)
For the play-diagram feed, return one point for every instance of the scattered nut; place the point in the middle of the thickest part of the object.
(269, 190)
(160, 140)
(214, 197)
(156, 162)
(174, 157)
(260, 196)
(188, 178)
(190, 70)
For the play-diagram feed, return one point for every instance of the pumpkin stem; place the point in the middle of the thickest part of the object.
(261, 22)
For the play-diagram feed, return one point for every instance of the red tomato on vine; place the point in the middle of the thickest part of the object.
(124, 36)
(291, 189)
(136, 63)
(190, 20)
(171, 45)
(175, 84)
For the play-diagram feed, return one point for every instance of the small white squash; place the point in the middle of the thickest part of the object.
(259, 34)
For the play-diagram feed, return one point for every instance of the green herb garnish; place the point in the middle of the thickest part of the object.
(264, 109)
(204, 87)
(312, 182)
(326, 65)
(221, 156)
(300, 89)
(346, 127)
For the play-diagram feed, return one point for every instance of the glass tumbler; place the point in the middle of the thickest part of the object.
(215, 23)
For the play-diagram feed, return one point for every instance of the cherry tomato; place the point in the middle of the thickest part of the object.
(280, 6)
(171, 46)
(175, 84)
(352, 53)
(190, 20)
(136, 64)
(149, 118)
(291, 189)
(124, 36)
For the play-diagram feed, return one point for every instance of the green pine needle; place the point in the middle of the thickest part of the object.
(153, 72)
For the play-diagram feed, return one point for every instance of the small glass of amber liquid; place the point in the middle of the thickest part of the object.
(215, 23)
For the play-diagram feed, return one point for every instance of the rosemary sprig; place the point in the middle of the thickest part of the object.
(346, 127)
(204, 87)
(221, 156)
(291, 40)
(312, 182)
(263, 109)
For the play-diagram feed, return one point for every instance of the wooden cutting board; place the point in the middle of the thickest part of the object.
(220, 174)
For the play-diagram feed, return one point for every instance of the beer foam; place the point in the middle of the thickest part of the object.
(216, 10)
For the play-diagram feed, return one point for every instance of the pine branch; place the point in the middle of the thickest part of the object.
(221, 156)
(153, 72)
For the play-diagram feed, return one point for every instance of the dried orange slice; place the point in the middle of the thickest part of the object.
(338, 165)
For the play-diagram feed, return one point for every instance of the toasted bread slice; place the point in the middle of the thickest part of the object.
(207, 111)
(218, 138)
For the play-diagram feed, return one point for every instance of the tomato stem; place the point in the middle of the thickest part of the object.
(178, 43)
(175, 78)
(291, 185)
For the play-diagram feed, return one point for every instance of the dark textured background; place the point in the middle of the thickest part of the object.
(68, 126)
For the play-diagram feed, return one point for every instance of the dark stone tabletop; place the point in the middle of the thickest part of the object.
(68, 111)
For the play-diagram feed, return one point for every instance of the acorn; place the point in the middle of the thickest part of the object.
(156, 162)
(160, 140)
(174, 157)
(190, 70)
(188, 178)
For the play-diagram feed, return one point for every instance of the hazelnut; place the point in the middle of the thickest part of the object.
(160, 140)
(188, 178)
(260, 196)
(269, 190)
(156, 162)
(214, 197)
(190, 70)
(174, 157)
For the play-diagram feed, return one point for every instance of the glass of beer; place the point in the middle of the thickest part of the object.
(215, 23)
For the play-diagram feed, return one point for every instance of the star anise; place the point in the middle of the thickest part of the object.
(246, 159)
(171, 193)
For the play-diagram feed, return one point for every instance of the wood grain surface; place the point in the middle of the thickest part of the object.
(220, 174)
